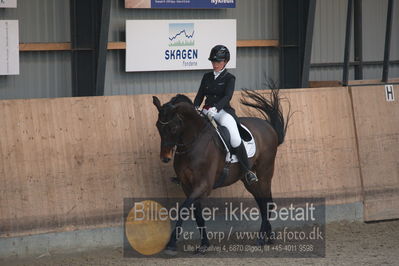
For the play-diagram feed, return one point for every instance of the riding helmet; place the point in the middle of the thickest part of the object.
(219, 53)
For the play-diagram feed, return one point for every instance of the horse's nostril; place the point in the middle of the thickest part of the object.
(165, 160)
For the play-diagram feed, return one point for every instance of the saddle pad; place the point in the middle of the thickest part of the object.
(249, 146)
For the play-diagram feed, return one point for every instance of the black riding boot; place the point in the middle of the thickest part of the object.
(242, 157)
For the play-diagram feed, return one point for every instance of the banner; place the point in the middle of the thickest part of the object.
(9, 47)
(232, 227)
(158, 45)
(180, 4)
(8, 3)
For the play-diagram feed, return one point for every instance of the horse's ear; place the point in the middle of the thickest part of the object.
(156, 102)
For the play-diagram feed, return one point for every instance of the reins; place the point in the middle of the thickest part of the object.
(189, 145)
(180, 146)
(183, 148)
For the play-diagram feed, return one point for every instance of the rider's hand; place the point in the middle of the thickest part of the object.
(212, 112)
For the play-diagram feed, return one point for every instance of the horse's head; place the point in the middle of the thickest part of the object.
(170, 124)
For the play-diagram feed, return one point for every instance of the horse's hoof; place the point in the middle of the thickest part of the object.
(170, 251)
(201, 250)
(269, 241)
(260, 242)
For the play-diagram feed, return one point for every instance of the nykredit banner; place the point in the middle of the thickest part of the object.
(180, 3)
(159, 45)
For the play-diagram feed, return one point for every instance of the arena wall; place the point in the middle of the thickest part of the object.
(377, 127)
(67, 163)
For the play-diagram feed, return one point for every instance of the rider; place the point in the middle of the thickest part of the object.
(218, 88)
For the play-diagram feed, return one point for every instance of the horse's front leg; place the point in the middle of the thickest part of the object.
(201, 227)
(171, 246)
(195, 195)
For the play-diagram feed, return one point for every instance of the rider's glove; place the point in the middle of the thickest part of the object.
(212, 112)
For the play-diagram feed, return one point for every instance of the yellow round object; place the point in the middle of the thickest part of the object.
(148, 227)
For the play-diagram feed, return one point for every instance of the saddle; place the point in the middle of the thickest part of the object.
(246, 136)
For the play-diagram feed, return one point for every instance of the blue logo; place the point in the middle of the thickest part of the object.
(181, 42)
(181, 34)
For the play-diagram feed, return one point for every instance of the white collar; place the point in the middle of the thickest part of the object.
(216, 74)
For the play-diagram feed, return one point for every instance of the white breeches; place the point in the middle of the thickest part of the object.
(225, 119)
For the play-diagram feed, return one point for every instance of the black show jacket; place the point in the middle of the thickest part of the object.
(218, 92)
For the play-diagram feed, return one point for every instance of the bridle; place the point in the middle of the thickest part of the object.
(181, 147)
(167, 143)
(168, 122)
(191, 143)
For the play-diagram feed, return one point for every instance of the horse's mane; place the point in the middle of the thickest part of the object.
(180, 98)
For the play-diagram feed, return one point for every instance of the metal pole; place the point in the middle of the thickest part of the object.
(388, 32)
(347, 43)
(102, 46)
(358, 38)
(308, 44)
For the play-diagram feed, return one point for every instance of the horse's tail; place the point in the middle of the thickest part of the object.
(269, 108)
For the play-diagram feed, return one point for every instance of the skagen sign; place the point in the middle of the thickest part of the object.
(158, 45)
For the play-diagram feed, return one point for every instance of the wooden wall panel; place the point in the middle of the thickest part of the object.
(67, 163)
(377, 124)
(318, 157)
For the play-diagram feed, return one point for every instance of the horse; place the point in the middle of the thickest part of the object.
(199, 159)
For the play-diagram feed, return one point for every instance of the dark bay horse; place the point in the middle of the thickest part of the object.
(199, 160)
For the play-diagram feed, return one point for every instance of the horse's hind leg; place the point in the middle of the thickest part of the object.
(263, 196)
(265, 231)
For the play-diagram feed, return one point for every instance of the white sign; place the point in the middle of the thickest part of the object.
(157, 45)
(389, 93)
(8, 3)
(9, 47)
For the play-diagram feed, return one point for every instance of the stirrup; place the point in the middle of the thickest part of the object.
(251, 177)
